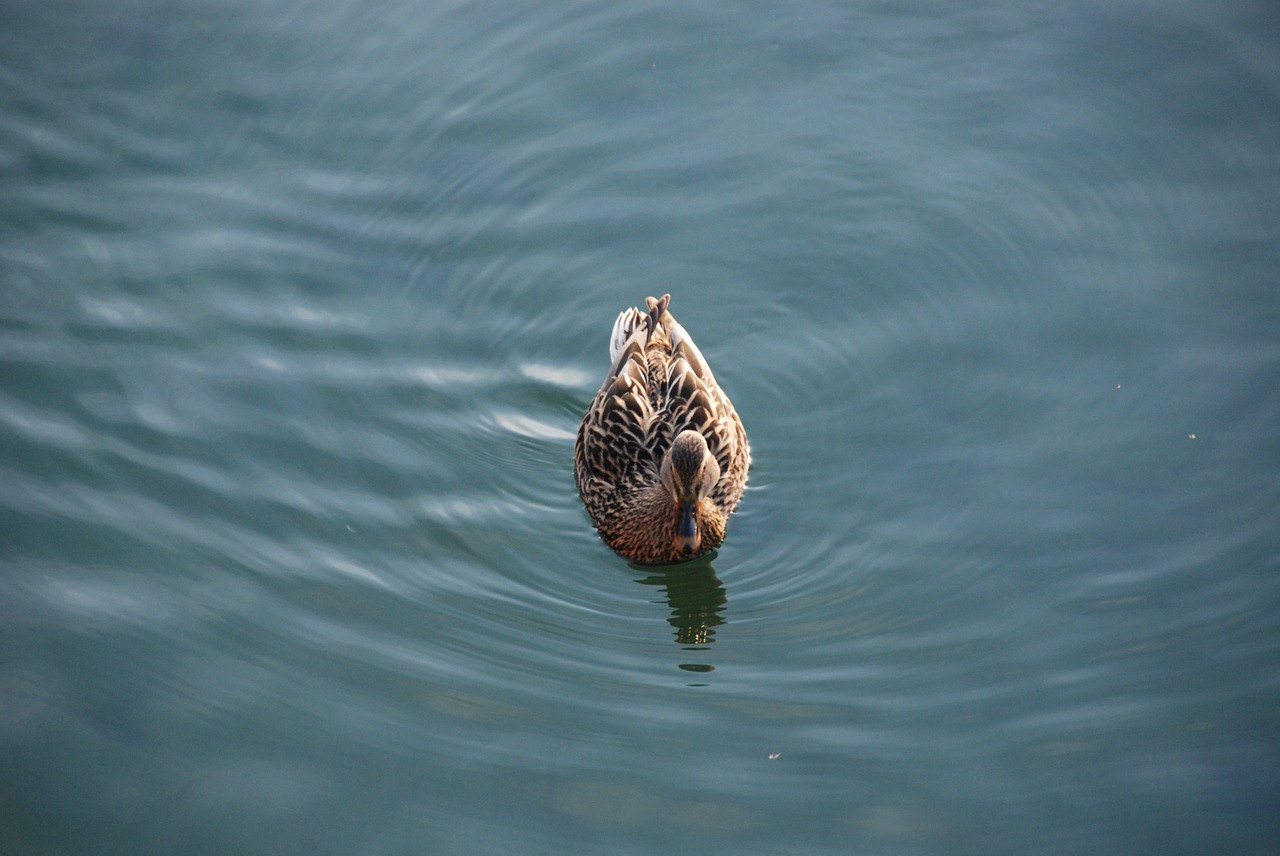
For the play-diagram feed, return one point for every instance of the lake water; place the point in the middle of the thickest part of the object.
(302, 303)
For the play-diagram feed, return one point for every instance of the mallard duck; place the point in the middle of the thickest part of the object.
(661, 456)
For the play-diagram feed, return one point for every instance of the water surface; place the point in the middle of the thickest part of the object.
(302, 303)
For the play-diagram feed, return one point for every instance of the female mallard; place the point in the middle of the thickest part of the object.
(661, 457)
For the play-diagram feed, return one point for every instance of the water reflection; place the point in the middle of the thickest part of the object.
(697, 599)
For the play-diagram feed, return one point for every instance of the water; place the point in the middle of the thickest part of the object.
(302, 304)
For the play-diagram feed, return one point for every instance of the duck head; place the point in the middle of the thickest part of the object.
(689, 472)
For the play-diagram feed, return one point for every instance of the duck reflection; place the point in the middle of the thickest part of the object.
(697, 600)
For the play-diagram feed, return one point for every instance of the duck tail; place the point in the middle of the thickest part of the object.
(634, 325)
(657, 308)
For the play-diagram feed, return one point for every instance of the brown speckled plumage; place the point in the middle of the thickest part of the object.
(651, 502)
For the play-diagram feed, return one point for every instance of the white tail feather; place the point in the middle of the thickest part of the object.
(630, 325)
(681, 341)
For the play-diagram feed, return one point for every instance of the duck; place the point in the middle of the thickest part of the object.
(661, 456)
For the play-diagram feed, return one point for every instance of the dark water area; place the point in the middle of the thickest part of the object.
(301, 305)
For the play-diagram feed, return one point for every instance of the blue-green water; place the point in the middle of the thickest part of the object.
(301, 306)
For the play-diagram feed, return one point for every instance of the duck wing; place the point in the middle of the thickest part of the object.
(613, 447)
(693, 400)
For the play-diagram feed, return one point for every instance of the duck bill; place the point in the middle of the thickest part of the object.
(687, 527)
